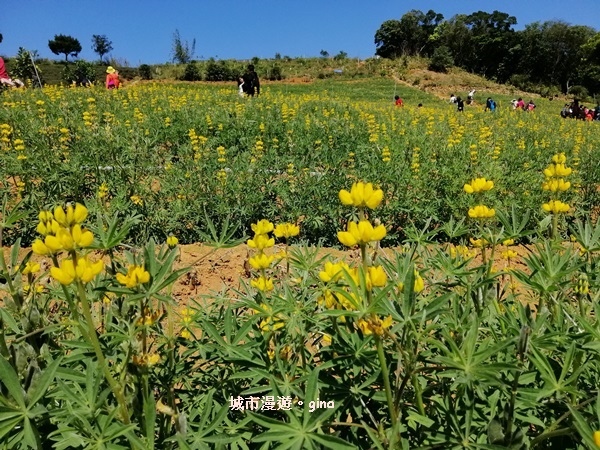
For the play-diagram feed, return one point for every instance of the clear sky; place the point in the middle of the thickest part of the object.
(142, 31)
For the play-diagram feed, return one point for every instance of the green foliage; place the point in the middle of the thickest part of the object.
(66, 45)
(441, 60)
(145, 71)
(23, 67)
(81, 73)
(182, 51)
(192, 72)
(101, 45)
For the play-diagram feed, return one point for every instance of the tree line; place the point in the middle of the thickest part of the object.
(552, 54)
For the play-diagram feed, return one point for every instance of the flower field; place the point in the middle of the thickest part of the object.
(433, 332)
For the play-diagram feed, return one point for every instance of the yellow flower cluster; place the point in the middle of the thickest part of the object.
(271, 322)
(261, 261)
(83, 270)
(135, 276)
(481, 212)
(62, 230)
(286, 230)
(374, 325)
(172, 241)
(361, 233)
(478, 185)
(362, 195)
(555, 183)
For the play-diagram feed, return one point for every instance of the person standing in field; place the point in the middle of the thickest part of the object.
(241, 86)
(251, 82)
(7, 80)
(399, 101)
(112, 78)
(460, 104)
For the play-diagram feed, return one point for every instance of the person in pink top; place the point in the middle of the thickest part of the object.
(7, 80)
(112, 78)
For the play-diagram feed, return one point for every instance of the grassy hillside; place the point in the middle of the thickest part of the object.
(406, 72)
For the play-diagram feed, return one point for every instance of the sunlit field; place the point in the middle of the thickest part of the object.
(464, 314)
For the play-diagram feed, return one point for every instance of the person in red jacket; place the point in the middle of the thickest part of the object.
(5, 79)
(399, 101)
(112, 78)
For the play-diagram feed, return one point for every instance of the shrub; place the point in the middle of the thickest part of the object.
(441, 60)
(192, 72)
(145, 72)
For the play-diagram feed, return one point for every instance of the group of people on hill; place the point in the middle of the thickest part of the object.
(576, 111)
(520, 104)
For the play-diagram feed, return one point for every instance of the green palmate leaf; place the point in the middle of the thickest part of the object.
(39, 388)
(332, 442)
(312, 389)
(9, 378)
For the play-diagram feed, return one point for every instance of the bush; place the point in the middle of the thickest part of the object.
(81, 73)
(192, 72)
(579, 91)
(441, 60)
(145, 72)
(275, 73)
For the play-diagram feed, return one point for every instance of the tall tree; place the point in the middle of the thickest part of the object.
(182, 51)
(407, 36)
(66, 45)
(101, 45)
(1, 38)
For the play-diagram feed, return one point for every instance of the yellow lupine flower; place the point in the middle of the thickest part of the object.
(31, 267)
(481, 212)
(361, 233)
(136, 275)
(261, 241)
(376, 276)
(418, 285)
(261, 261)
(557, 171)
(556, 184)
(361, 195)
(559, 158)
(508, 242)
(374, 325)
(39, 248)
(597, 438)
(172, 241)
(72, 215)
(333, 271)
(555, 207)
(262, 284)
(286, 230)
(509, 254)
(262, 227)
(478, 185)
(84, 270)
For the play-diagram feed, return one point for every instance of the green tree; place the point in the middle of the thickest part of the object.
(342, 55)
(324, 53)
(441, 60)
(101, 45)
(407, 36)
(183, 53)
(192, 72)
(1, 38)
(66, 45)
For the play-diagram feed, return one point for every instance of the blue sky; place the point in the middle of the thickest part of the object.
(142, 31)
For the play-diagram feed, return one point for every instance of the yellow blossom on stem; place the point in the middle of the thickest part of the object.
(597, 438)
(71, 216)
(361, 195)
(556, 184)
(135, 276)
(261, 241)
(376, 276)
(84, 270)
(262, 284)
(31, 267)
(261, 261)
(172, 241)
(374, 325)
(509, 254)
(555, 207)
(332, 272)
(286, 230)
(262, 227)
(481, 212)
(478, 185)
(361, 233)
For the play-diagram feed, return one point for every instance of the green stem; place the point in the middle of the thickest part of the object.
(554, 225)
(93, 339)
(386, 380)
